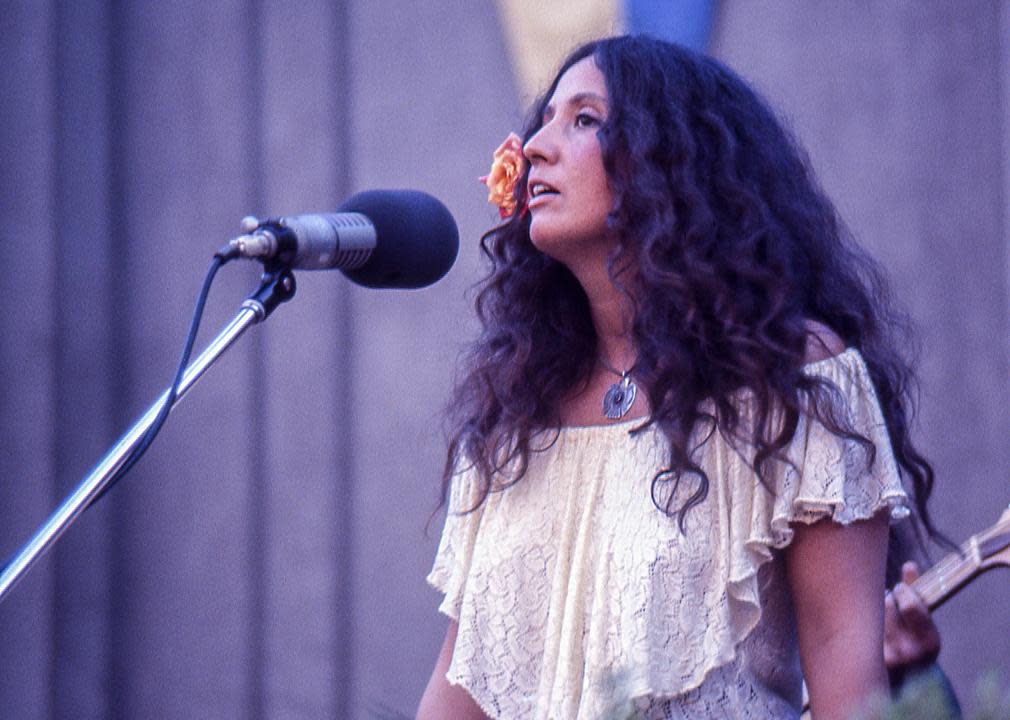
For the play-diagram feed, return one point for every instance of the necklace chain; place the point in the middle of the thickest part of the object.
(610, 368)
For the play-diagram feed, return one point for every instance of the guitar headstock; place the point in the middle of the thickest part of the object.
(994, 543)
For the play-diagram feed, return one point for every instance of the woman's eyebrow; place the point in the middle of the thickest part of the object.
(579, 98)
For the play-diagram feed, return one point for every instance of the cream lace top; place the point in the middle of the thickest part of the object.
(577, 598)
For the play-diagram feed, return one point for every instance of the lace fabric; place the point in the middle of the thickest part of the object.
(577, 598)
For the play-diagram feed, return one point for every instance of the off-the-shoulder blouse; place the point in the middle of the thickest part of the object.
(577, 598)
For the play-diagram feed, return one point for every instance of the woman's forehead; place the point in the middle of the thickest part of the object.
(582, 81)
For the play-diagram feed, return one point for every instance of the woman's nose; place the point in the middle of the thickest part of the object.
(541, 147)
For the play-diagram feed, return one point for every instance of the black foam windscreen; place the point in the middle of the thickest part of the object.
(416, 238)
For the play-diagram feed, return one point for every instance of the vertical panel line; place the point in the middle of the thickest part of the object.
(344, 420)
(56, 190)
(256, 404)
(1003, 25)
(120, 376)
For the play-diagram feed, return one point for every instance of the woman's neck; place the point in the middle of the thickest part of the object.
(612, 315)
(612, 321)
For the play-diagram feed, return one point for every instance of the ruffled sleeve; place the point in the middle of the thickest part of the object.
(827, 476)
(823, 476)
(455, 549)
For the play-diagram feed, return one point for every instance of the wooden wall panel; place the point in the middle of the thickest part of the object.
(304, 434)
(27, 360)
(429, 108)
(180, 528)
(83, 416)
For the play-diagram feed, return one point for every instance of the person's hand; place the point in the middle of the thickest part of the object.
(911, 639)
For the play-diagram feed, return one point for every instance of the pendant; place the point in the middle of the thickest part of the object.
(619, 398)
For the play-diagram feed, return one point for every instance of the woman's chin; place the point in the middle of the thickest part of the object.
(550, 244)
(568, 245)
(551, 237)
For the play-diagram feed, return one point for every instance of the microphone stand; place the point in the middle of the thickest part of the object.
(277, 286)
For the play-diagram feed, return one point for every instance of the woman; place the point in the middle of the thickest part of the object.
(680, 438)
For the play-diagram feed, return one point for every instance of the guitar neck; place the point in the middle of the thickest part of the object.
(988, 549)
(943, 580)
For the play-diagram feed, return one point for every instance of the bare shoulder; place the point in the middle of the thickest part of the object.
(822, 342)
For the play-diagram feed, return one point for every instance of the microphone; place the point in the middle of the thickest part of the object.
(377, 238)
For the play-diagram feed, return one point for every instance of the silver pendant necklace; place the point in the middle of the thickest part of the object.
(620, 396)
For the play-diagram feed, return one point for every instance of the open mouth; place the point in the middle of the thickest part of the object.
(539, 189)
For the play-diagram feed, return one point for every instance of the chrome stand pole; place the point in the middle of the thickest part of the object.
(276, 288)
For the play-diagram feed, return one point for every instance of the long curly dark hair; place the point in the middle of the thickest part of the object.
(735, 250)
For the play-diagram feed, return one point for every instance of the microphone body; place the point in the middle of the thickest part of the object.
(320, 241)
(379, 239)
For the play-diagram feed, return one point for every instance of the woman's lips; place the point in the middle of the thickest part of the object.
(540, 199)
(538, 193)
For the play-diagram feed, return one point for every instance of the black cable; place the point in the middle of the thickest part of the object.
(220, 258)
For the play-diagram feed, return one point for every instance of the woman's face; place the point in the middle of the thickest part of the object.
(569, 197)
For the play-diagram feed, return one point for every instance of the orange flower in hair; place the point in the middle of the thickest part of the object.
(506, 170)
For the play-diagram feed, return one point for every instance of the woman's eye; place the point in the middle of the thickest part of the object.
(586, 120)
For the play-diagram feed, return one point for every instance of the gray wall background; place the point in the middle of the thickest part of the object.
(267, 557)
